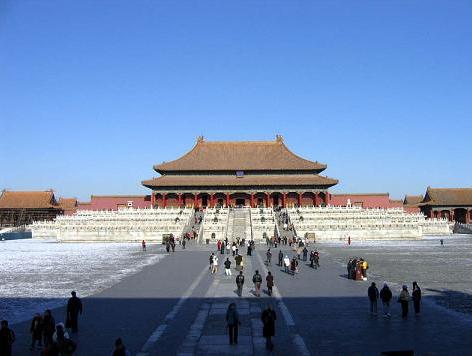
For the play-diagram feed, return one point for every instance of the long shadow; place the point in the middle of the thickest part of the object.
(329, 325)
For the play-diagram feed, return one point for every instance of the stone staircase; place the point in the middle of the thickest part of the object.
(239, 225)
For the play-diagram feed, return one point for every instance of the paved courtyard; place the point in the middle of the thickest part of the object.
(176, 307)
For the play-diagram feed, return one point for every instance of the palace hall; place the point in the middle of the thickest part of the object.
(246, 173)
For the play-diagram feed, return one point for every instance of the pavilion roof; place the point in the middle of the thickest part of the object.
(68, 203)
(448, 196)
(412, 199)
(240, 156)
(28, 199)
(246, 180)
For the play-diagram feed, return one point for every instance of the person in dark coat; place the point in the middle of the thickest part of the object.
(373, 294)
(233, 322)
(49, 326)
(7, 338)
(120, 349)
(386, 296)
(268, 318)
(74, 308)
(305, 253)
(36, 331)
(270, 283)
(416, 296)
(281, 258)
(240, 282)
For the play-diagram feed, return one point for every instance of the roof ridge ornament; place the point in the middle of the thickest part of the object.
(279, 138)
(200, 139)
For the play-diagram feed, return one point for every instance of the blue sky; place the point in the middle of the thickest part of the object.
(93, 93)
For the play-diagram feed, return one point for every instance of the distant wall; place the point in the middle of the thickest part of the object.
(102, 202)
(363, 200)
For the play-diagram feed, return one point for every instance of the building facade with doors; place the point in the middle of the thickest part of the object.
(454, 204)
(247, 173)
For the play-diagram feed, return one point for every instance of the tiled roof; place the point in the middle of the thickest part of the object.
(32, 200)
(68, 203)
(240, 156)
(412, 199)
(448, 196)
(233, 180)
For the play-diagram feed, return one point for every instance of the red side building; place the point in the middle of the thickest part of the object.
(114, 202)
(250, 173)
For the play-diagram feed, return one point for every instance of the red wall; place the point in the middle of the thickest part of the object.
(364, 200)
(112, 202)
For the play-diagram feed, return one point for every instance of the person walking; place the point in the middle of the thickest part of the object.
(268, 318)
(281, 258)
(270, 283)
(364, 267)
(240, 283)
(269, 257)
(403, 299)
(287, 264)
(49, 325)
(386, 297)
(233, 248)
(232, 322)
(257, 280)
(120, 349)
(36, 331)
(184, 242)
(7, 338)
(215, 265)
(211, 261)
(227, 267)
(316, 259)
(416, 296)
(74, 308)
(373, 294)
(143, 244)
(305, 253)
(293, 266)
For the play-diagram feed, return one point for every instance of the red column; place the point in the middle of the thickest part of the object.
(326, 198)
(284, 199)
(164, 200)
(452, 215)
(180, 200)
(252, 200)
(268, 204)
(227, 200)
(315, 199)
(212, 205)
(299, 199)
(153, 199)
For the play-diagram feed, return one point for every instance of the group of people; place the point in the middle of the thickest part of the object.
(46, 335)
(357, 269)
(385, 295)
(268, 318)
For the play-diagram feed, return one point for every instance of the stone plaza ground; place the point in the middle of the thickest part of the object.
(176, 307)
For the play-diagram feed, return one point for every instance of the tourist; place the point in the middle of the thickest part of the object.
(286, 264)
(36, 331)
(373, 294)
(227, 267)
(316, 259)
(240, 283)
(233, 248)
(222, 250)
(210, 267)
(215, 264)
(442, 242)
(167, 246)
(184, 242)
(143, 244)
(239, 262)
(74, 308)
(172, 245)
(270, 283)
(49, 325)
(416, 296)
(233, 322)
(364, 267)
(312, 259)
(62, 344)
(386, 297)
(305, 253)
(293, 266)
(257, 280)
(281, 258)
(269, 257)
(120, 349)
(218, 245)
(403, 299)
(349, 269)
(7, 338)
(268, 330)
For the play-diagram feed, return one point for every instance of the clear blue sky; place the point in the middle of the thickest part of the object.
(93, 93)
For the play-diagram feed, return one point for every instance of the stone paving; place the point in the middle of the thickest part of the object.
(176, 307)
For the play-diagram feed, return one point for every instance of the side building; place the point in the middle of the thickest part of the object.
(18, 208)
(248, 173)
(454, 204)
